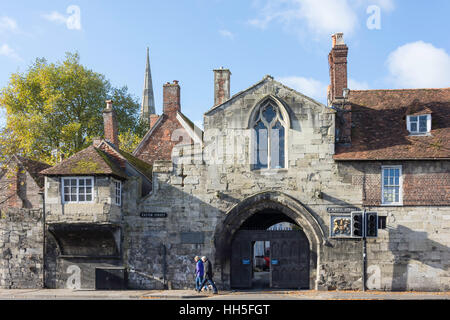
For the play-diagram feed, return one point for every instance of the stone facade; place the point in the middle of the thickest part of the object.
(225, 180)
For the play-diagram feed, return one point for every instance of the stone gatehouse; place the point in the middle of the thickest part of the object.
(266, 155)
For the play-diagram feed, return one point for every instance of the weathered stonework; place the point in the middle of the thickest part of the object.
(21, 241)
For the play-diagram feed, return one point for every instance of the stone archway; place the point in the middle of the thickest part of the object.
(289, 208)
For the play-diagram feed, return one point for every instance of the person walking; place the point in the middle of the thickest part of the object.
(199, 273)
(208, 275)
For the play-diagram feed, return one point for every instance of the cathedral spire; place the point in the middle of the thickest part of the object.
(148, 101)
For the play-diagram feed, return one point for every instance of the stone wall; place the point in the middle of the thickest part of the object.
(197, 192)
(21, 244)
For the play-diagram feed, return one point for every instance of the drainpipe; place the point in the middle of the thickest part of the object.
(42, 193)
(364, 252)
(163, 253)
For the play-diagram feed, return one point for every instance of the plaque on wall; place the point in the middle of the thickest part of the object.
(340, 226)
(192, 237)
(153, 214)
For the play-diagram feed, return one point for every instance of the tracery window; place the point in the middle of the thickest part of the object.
(269, 137)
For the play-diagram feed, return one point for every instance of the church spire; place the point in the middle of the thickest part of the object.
(148, 101)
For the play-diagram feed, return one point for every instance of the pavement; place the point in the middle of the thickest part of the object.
(67, 294)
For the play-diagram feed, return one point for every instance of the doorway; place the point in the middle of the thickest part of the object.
(288, 260)
(261, 265)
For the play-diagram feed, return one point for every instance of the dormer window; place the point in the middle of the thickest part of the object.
(419, 125)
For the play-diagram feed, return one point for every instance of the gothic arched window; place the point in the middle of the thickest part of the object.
(269, 136)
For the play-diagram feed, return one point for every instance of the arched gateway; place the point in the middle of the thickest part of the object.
(295, 255)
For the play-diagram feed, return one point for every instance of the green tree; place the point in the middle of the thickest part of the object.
(58, 106)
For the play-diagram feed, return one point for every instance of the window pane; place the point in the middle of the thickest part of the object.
(413, 119)
(73, 197)
(81, 190)
(73, 182)
(89, 182)
(81, 182)
(88, 190)
(88, 197)
(269, 114)
(261, 145)
(81, 198)
(423, 124)
(66, 198)
(277, 146)
(414, 127)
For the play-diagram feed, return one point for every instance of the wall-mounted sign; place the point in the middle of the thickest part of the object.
(274, 261)
(153, 214)
(341, 209)
(245, 261)
(340, 226)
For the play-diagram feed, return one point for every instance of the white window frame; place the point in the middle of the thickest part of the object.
(78, 185)
(417, 132)
(117, 183)
(400, 182)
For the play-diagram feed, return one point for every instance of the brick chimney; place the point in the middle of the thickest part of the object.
(221, 85)
(171, 97)
(110, 124)
(337, 61)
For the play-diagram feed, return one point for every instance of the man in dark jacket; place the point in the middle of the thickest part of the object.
(208, 275)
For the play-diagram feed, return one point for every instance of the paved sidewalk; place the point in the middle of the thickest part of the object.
(66, 294)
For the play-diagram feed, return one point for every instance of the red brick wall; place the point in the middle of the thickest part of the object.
(429, 188)
(424, 183)
(160, 144)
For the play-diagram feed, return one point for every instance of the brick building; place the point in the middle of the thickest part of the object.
(266, 155)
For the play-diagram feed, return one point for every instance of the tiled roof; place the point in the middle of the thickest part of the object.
(34, 168)
(379, 125)
(90, 161)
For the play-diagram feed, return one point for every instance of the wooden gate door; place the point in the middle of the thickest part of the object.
(289, 260)
(241, 260)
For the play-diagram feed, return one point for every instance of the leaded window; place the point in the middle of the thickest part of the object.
(269, 132)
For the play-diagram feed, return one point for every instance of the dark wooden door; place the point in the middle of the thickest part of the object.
(241, 261)
(289, 260)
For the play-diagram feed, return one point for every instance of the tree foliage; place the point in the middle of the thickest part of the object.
(58, 107)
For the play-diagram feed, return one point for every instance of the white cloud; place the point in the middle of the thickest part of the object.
(7, 51)
(308, 86)
(72, 21)
(316, 89)
(8, 24)
(419, 65)
(323, 17)
(226, 34)
(357, 85)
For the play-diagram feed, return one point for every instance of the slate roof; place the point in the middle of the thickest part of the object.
(379, 125)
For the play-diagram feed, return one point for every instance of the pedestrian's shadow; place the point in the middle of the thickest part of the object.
(408, 245)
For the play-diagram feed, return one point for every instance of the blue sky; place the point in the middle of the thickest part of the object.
(392, 43)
